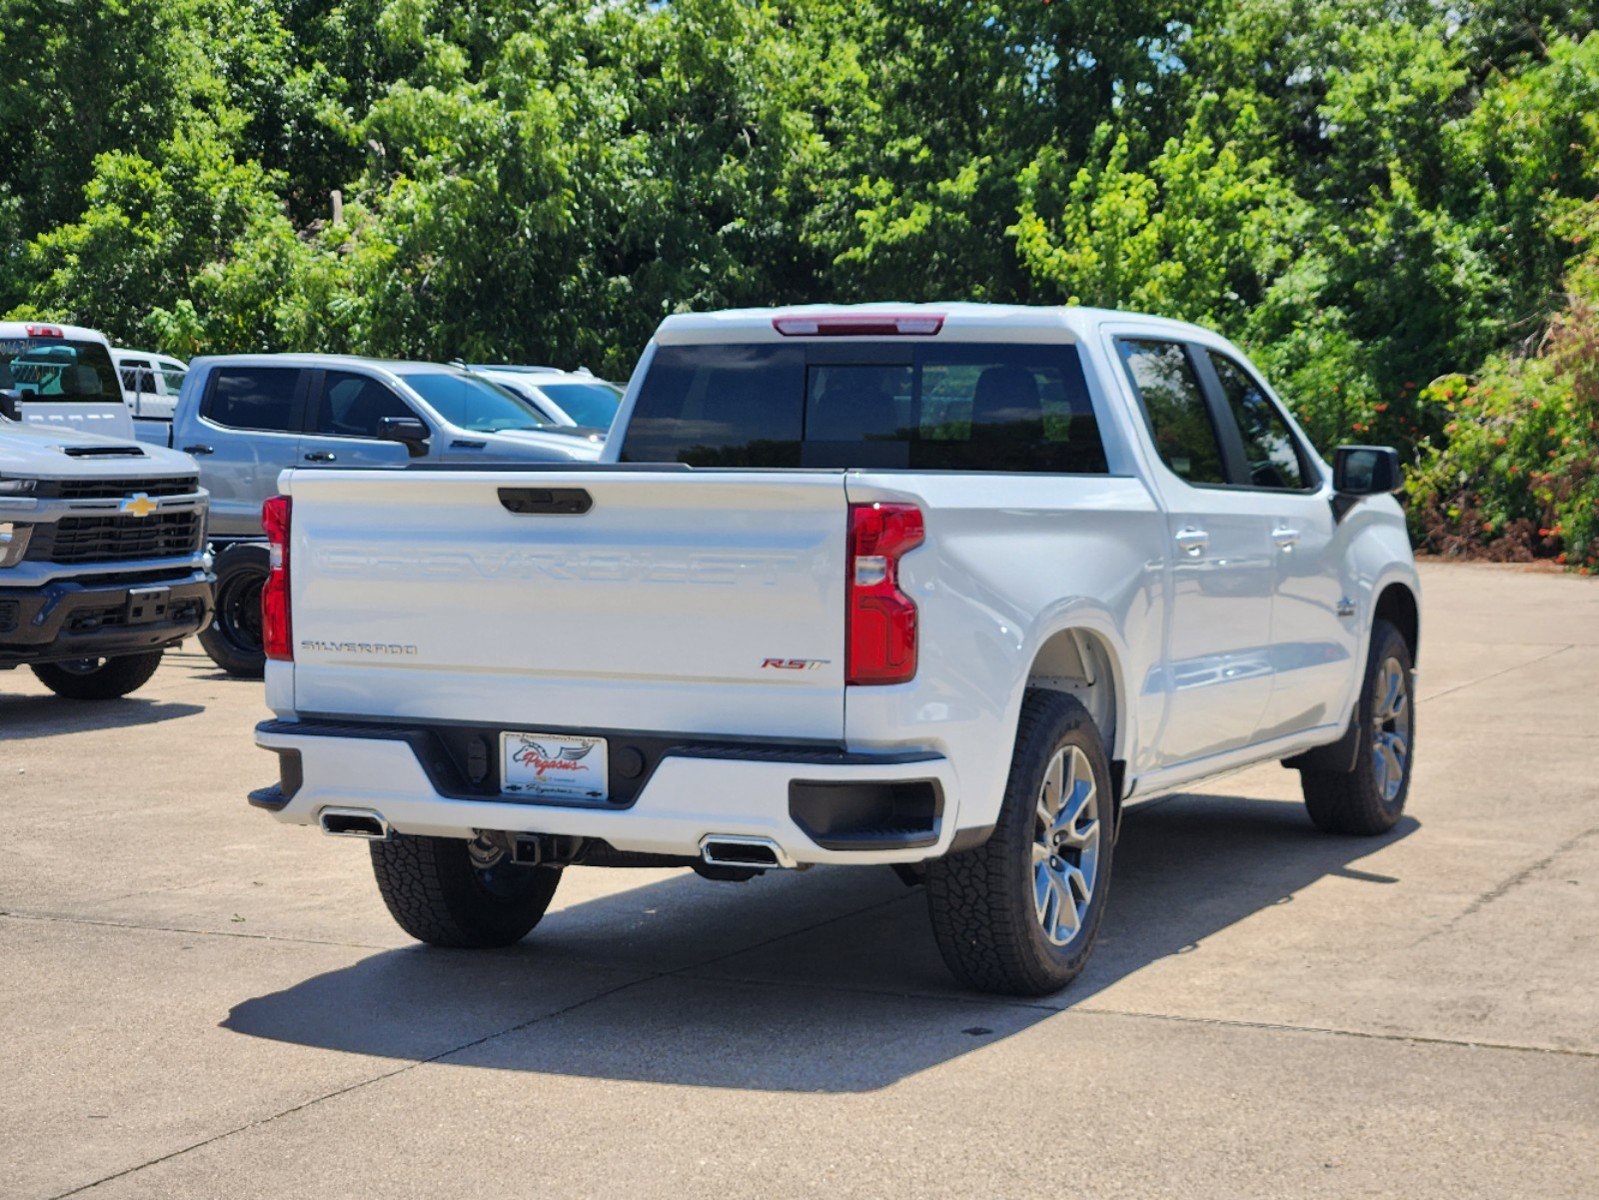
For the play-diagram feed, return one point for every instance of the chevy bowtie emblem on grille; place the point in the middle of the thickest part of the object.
(138, 505)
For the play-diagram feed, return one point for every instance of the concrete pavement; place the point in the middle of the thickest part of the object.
(196, 1001)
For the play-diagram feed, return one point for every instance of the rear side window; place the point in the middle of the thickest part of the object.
(720, 406)
(254, 398)
(1271, 452)
(1179, 419)
(1020, 408)
(354, 405)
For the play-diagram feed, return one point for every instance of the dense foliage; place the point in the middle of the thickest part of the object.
(1389, 204)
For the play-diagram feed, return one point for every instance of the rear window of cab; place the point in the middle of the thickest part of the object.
(885, 405)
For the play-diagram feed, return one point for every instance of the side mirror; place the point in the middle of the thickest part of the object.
(8, 404)
(1366, 471)
(409, 431)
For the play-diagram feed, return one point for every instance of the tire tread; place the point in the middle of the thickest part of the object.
(426, 886)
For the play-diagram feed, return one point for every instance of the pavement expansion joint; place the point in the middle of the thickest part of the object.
(347, 1088)
(1505, 886)
(1429, 697)
(411, 1066)
(103, 923)
(1330, 1031)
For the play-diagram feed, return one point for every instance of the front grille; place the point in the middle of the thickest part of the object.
(114, 489)
(116, 538)
(10, 610)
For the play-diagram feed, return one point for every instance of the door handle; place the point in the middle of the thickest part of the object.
(1193, 541)
(1284, 537)
(198, 450)
(321, 456)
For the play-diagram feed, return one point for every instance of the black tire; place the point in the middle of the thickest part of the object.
(99, 678)
(983, 904)
(1358, 801)
(233, 639)
(438, 896)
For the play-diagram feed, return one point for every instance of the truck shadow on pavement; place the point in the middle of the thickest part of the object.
(49, 716)
(826, 980)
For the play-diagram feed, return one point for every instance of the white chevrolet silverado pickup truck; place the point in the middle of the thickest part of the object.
(933, 586)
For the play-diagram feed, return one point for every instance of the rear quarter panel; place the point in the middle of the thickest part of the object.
(1009, 562)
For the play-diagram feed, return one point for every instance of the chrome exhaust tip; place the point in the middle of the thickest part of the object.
(360, 823)
(758, 853)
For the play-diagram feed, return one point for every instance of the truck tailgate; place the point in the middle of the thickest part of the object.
(707, 602)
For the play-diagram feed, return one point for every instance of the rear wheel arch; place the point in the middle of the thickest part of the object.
(1084, 664)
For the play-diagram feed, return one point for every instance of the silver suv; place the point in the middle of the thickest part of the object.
(248, 417)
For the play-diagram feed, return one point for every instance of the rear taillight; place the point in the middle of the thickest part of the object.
(44, 331)
(275, 637)
(880, 625)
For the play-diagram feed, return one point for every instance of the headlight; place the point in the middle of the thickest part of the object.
(13, 542)
(15, 487)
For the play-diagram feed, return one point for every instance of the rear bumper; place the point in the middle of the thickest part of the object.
(87, 618)
(816, 806)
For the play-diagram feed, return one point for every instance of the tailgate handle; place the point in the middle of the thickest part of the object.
(563, 502)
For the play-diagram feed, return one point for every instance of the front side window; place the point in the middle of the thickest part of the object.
(1179, 420)
(260, 398)
(1271, 452)
(471, 402)
(58, 370)
(956, 407)
(174, 379)
(355, 405)
(591, 404)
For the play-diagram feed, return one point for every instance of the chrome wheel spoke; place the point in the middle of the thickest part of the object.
(1397, 712)
(1083, 838)
(1046, 896)
(1391, 690)
(1072, 811)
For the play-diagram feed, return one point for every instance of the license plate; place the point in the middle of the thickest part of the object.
(147, 605)
(553, 765)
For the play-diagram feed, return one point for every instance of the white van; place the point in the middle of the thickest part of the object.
(61, 375)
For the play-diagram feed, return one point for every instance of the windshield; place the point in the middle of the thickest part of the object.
(61, 370)
(586, 403)
(470, 402)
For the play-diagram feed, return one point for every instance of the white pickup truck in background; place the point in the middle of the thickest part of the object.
(932, 586)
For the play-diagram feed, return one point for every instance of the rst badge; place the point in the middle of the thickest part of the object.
(794, 664)
(553, 766)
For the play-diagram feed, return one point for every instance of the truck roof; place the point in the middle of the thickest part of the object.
(320, 360)
(956, 321)
(81, 333)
